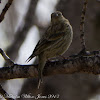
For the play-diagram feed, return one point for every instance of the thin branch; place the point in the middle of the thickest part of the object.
(10, 63)
(2, 15)
(82, 24)
(7, 59)
(89, 63)
(5, 94)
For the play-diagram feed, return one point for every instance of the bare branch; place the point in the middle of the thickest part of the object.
(89, 63)
(5, 9)
(5, 94)
(82, 24)
(7, 59)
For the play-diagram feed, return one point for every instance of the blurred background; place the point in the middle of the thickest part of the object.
(25, 23)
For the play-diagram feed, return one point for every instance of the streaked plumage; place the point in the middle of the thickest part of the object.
(54, 42)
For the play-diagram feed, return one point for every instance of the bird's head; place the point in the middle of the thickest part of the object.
(56, 17)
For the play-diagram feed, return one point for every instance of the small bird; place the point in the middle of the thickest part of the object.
(55, 41)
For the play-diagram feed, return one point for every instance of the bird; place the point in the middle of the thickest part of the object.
(55, 41)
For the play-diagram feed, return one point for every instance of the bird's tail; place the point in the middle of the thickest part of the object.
(32, 56)
(42, 61)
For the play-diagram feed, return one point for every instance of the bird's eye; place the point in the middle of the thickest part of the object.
(58, 14)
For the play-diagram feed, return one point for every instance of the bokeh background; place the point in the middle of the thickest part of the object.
(25, 23)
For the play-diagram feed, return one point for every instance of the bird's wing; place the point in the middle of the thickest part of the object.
(49, 38)
(42, 45)
(56, 32)
(56, 36)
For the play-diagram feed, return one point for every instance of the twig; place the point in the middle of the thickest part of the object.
(5, 10)
(7, 59)
(5, 94)
(82, 25)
